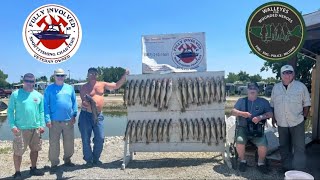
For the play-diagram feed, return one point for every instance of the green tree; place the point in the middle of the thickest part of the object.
(42, 78)
(302, 71)
(243, 76)
(271, 80)
(52, 79)
(232, 77)
(3, 80)
(112, 74)
(255, 78)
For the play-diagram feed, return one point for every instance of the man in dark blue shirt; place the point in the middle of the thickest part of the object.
(255, 109)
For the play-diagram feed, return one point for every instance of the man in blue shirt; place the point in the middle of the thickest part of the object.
(255, 109)
(60, 108)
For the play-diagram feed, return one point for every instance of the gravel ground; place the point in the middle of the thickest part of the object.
(144, 165)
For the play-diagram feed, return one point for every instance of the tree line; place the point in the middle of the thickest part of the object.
(113, 74)
(243, 76)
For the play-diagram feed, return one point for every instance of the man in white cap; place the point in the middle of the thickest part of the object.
(290, 100)
(60, 109)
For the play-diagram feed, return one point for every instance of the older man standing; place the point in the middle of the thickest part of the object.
(26, 118)
(91, 118)
(290, 100)
(60, 107)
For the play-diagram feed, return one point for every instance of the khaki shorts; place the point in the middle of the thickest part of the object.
(242, 138)
(25, 138)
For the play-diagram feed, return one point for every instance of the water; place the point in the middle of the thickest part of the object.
(114, 125)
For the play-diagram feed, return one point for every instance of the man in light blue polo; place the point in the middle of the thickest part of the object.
(60, 108)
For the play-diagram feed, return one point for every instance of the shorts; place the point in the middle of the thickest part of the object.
(25, 138)
(241, 138)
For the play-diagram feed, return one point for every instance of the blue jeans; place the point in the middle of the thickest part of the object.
(86, 126)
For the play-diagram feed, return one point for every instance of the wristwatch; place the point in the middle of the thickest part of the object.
(261, 117)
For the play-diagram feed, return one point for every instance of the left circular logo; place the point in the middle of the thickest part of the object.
(52, 34)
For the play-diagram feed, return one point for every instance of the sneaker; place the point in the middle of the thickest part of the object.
(242, 166)
(69, 164)
(263, 169)
(53, 169)
(35, 172)
(17, 175)
(97, 162)
(89, 164)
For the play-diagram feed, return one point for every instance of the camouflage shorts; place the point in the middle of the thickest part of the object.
(25, 138)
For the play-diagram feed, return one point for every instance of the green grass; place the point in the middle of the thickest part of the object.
(5, 150)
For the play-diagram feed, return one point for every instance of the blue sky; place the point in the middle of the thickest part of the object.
(112, 33)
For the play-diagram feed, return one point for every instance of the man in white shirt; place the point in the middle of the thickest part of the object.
(290, 100)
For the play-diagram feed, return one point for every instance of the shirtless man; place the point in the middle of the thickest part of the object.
(87, 124)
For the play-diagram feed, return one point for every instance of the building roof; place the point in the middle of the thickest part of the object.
(312, 41)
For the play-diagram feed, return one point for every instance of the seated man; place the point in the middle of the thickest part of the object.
(255, 109)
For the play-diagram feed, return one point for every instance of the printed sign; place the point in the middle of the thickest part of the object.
(52, 34)
(174, 53)
(275, 31)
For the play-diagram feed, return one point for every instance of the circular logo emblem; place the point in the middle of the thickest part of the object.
(52, 34)
(187, 53)
(275, 31)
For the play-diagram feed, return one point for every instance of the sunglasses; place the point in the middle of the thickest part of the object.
(28, 81)
(59, 75)
(287, 72)
(92, 74)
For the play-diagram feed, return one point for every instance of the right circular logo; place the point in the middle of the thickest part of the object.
(275, 31)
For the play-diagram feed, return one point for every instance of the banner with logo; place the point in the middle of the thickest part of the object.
(174, 53)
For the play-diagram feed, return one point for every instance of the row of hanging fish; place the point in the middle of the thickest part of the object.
(200, 91)
(148, 131)
(206, 130)
(148, 92)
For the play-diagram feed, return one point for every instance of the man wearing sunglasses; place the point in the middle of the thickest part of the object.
(253, 109)
(95, 90)
(60, 108)
(290, 100)
(26, 119)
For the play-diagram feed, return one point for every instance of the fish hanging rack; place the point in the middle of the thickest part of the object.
(172, 118)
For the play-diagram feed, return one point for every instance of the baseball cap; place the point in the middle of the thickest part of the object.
(286, 68)
(253, 85)
(92, 69)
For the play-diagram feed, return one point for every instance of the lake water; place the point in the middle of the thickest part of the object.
(114, 125)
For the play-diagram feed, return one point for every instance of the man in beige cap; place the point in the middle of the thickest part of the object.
(60, 109)
(290, 100)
